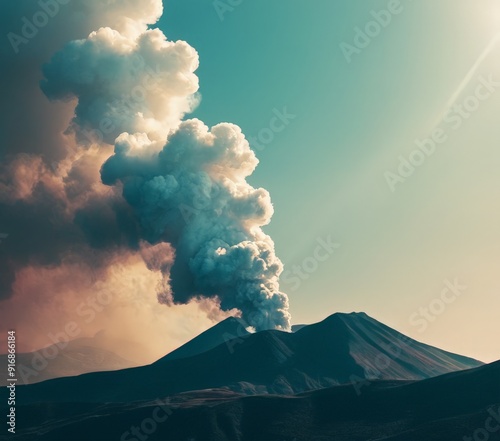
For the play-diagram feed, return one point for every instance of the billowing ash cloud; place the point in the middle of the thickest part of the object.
(192, 193)
(172, 190)
(31, 35)
(143, 84)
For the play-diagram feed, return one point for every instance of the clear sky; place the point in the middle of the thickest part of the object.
(326, 169)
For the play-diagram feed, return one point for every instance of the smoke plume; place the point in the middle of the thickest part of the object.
(117, 173)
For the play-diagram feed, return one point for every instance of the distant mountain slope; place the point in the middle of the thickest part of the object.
(295, 328)
(381, 351)
(222, 332)
(341, 349)
(446, 408)
(76, 358)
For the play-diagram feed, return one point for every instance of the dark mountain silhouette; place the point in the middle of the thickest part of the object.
(341, 349)
(295, 328)
(446, 408)
(228, 329)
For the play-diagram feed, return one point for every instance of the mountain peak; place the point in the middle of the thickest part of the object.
(225, 330)
(335, 316)
(340, 317)
(350, 315)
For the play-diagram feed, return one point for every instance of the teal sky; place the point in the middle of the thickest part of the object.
(325, 170)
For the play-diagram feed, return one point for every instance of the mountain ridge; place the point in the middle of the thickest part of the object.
(75, 358)
(445, 408)
(227, 329)
(341, 349)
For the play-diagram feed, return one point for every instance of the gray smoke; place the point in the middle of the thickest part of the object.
(191, 192)
(184, 184)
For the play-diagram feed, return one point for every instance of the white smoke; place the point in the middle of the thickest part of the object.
(184, 184)
(142, 84)
(192, 193)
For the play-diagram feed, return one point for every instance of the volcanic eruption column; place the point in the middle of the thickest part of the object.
(185, 183)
